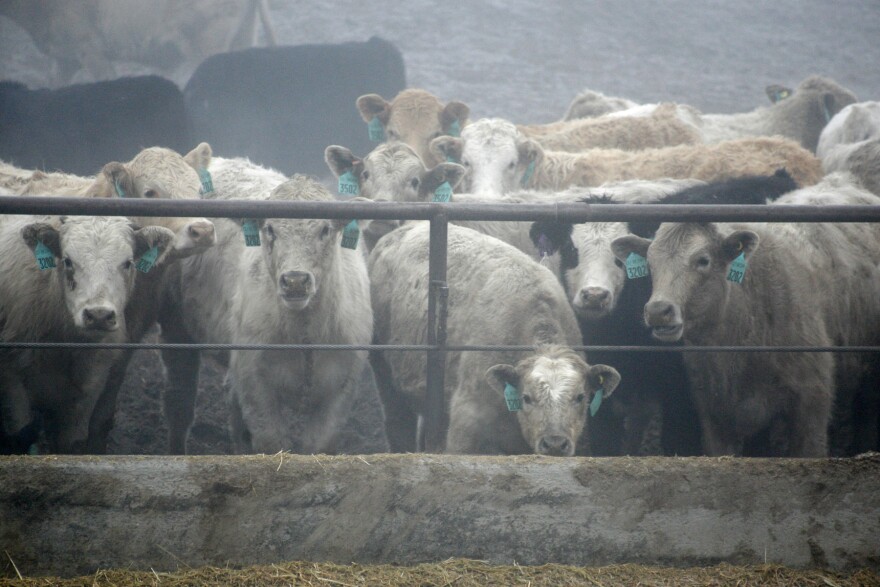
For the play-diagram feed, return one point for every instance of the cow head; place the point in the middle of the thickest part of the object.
(300, 253)
(414, 117)
(162, 173)
(497, 158)
(95, 261)
(689, 264)
(555, 387)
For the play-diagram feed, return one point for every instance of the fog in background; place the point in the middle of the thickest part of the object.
(526, 60)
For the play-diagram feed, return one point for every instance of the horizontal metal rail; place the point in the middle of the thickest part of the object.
(560, 211)
(428, 347)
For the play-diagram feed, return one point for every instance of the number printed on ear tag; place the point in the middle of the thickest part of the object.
(348, 184)
(530, 170)
(119, 191)
(251, 233)
(737, 269)
(511, 396)
(45, 257)
(455, 128)
(207, 182)
(443, 193)
(350, 235)
(636, 266)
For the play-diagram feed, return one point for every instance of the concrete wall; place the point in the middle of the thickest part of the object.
(73, 515)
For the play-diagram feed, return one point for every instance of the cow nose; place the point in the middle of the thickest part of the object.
(659, 313)
(99, 318)
(554, 446)
(594, 296)
(295, 281)
(201, 233)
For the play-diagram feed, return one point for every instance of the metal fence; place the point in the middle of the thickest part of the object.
(439, 215)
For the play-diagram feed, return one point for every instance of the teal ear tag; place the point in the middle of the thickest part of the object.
(119, 191)
(348, 185)
(147, 260)
(737, 269)
(350, 235)
(450, 159)
(251, 233)
(511, 396)
(597, 401)
(207, 182)
(455, 129)
(377, 131)
(530, 170)
(443, 192)
(45, 258)
(636, 266)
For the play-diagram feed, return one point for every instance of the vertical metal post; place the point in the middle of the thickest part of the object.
(435, 418)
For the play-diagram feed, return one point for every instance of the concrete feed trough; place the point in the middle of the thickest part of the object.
(73, 515)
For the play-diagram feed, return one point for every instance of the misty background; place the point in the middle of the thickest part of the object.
(525, 61)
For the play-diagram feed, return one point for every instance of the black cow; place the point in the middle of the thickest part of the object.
(80, 128)
(281, 106)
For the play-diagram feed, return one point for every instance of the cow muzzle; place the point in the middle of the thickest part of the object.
(100, 318)
(554, 445)
(296, 288)
(593, 302)
(665, 321)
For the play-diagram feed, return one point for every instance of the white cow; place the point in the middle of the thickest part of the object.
(298, 286)
(65, 280)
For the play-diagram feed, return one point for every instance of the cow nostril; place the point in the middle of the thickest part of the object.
(554, 445)
(595, 294)
(99, 317)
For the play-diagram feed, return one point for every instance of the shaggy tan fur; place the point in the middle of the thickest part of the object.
(757, 156)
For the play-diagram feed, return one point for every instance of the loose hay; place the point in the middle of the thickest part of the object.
(463, 573)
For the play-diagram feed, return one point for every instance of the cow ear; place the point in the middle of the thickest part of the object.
(372, 105)
(200, 157)
(41, 232)
(435, 177)
(152, 236)
(115, 181)
(777, 93)
(446, 148)
(530, 156)
(340, 160)
(453, 117)
(740, 242)
(557, 235)
(623, 246)
(602, 377)
(500, 376)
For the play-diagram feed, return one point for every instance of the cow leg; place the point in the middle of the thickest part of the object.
(400, 420)
(809, 428)
(240, 435)
(179, 401)
(105, 409)
(89, 375)
(15, 410)
(717, 443)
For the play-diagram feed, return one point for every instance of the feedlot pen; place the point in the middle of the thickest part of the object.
(73, 515)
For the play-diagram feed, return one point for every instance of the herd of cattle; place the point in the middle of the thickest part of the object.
(547, 285)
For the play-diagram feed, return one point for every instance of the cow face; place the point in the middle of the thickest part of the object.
(157, 173)
(497, 158)
(395, 172)
(689, 264)
(555, 388)
(593, 277)
(414, 117)
(300, 254)
(95, 263)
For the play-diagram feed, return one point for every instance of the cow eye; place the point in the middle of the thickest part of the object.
(150, 194)
(618, 262)
(414, 183)
(365, 175)
(511, 165)
(127, 265)
(703, 262)
(68, 264)
(580, 398)
(270, 232)
(466, 163)
(325, 231)
(527, 399)
(392, 134)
